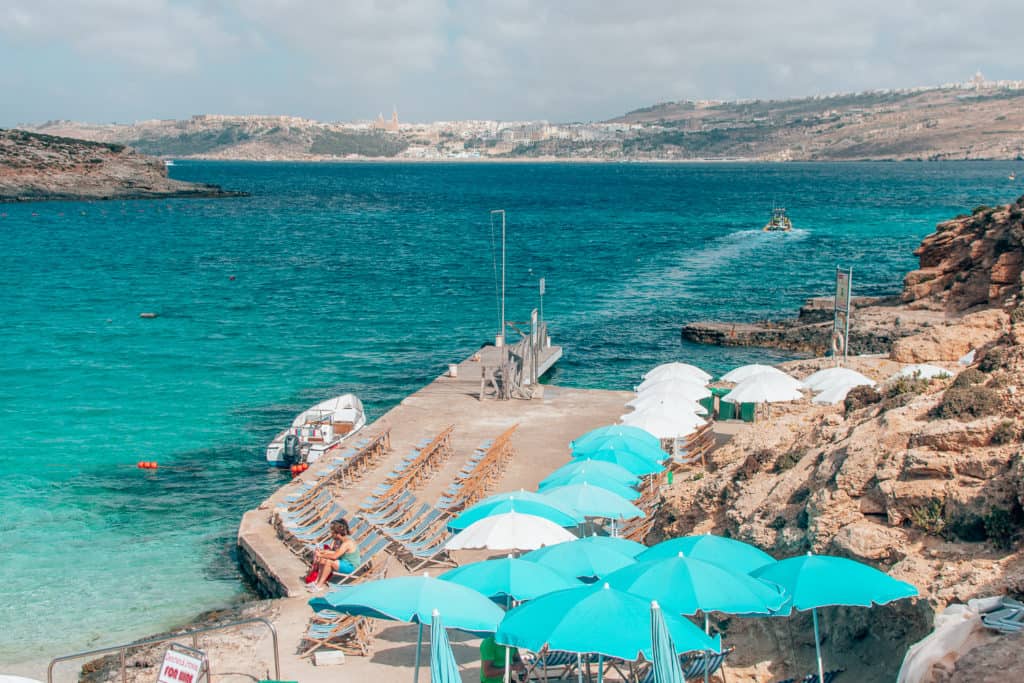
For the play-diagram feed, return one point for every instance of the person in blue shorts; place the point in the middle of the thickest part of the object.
(342, 556)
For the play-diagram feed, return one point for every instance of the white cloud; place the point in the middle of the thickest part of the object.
(565, 60)
(354, 40)
(151, 35)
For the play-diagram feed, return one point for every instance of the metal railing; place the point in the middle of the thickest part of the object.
(194, 633)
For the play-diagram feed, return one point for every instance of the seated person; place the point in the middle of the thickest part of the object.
(341, 556)
(492, 661)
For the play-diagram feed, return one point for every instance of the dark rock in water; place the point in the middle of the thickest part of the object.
(35, 167)
(876, 328)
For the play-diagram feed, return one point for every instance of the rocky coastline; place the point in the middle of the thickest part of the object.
(36, 167)
(923, 479)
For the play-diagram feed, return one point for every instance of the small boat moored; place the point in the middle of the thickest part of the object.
(779, 222)
(316, 430)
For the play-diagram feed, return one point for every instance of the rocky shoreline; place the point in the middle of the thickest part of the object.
(923, 479)
(36, 167)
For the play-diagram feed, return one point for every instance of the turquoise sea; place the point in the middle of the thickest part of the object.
(367, 278)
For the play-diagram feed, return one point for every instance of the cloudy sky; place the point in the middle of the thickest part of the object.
(561, 60)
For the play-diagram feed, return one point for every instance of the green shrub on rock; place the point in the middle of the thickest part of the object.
(930, 518)
(1018, 315)
(968, 403)
(1005, 432)
(969, 377)
(995, 358)
(861, 396)
(1000, 528)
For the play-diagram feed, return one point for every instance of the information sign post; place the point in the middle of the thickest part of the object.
(841, 315)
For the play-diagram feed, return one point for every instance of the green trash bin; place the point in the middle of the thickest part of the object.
(709, 404)
(747, 411)
(724, 410)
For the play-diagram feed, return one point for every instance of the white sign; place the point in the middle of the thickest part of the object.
(179, 667)
(842, 290)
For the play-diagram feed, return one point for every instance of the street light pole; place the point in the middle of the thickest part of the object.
(502, 330)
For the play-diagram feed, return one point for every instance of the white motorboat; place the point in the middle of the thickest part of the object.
(317, 430)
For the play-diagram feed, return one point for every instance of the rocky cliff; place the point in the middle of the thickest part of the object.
(39, 167)
(922, 479)
(970, 261)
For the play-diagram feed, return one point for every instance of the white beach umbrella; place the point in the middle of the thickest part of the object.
(509, 531)
(765, 388)
(691, 390)
(743, 372)
(672, 370)
(664, 426)
(833, 395)
(924, 371)
(836, 377)
(667, 403)
(679, 379)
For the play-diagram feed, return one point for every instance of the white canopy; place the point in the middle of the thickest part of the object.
(833, 395)
(924, 371)
(680, 379)
(747, 371)
(509, 531)
(691, 390)
(667, 403)
(664, 426)
(836, 377)
(765, 387)
(673, 370)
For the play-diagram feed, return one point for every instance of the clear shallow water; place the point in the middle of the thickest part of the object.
(365, 278)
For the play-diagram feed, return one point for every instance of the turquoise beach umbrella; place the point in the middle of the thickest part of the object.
(414, 599)
(524, 502)
(637, 464)
(606, 469)
(616, 543)
(594, 501)
(443, 667)
(634, 433)
(509, 577)
(595, 619)
(583, 477)
(736, 556)
(584, 560)
(665, 662)
(683, 585)
(621, 443)
(821, 580)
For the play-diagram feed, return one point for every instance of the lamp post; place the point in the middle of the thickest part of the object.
(501, 332)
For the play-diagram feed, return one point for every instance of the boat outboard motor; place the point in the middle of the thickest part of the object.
(292, 449)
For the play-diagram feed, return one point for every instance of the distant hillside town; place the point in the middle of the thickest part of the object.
(975, 119)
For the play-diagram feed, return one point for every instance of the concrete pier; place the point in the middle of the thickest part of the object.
(546, 425)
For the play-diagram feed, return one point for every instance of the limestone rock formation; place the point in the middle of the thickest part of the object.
(971, 261)
(39, 167)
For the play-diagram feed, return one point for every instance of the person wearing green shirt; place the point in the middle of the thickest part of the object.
(492, 661)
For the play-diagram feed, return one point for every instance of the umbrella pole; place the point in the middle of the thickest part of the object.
(600, 668)
(707, 632)
(817, 645)
(579, 668)
(419, 646)
(507, 659)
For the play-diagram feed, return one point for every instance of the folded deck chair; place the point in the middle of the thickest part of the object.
(556, 664)
(693, 665)
(344, 632)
